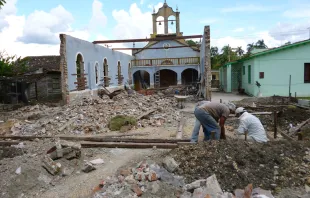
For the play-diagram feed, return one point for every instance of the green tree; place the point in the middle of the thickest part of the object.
(250, 47)
(12, 65)
(239, 51)
(260, 44)
(191, 43)
(2, 2)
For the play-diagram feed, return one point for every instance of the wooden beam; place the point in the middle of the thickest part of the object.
(98, 139)
(180, 128)
(128, 145)
(148, 39)
(299, 127)
(151, 48)
(8, 143)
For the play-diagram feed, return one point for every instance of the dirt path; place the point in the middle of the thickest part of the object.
(81, 185)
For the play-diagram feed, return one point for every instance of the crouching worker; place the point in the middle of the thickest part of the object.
(209, 114)
(195, 133)
(251, 126)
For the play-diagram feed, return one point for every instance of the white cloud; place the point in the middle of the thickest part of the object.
(291, 32)
(209, 21)
(248, 8)
(43, 28)
(141, 2)
(7, 10)
(301, 12)
(238, 30)
(98, 18)
(38, 33)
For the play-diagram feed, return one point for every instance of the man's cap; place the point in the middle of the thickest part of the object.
(239, 110)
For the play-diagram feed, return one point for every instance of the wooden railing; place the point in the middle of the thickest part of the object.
(166, 61)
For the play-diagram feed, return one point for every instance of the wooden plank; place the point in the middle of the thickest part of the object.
(146, 113)
(98, 139)
(180, 128)
(127, 145)
(148, 39)
(130, 48)
(8, 143)
(299, 127)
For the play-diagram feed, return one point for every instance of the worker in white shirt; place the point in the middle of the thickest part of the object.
(251, 126)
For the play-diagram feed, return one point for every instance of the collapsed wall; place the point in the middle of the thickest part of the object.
(85, 67)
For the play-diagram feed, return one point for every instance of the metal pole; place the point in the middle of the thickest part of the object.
(289, 90)
(220, 100)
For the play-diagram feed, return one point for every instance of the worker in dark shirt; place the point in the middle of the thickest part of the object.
(209, 114)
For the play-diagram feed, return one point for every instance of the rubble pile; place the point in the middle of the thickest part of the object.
(147, 179)
(274, 165)
(92, 115)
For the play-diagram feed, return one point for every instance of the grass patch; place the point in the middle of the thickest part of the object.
(117, 122)
(306, 98)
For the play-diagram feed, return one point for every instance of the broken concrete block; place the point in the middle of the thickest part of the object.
(18, 171)
(170, 164)
(155, 187)
(97, 161)
(73, 145)
(130, 179)
(195, 184)
(125, 172)
(135, 188)
(152, 176)
(88, 167)
(51, 166)
(213, 187)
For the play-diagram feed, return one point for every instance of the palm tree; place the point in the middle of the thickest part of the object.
(240, 51)
(2, 2)
(261, 44)
(250, 47)
(214, 51)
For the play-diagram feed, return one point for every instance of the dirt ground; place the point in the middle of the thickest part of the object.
(237, 163)
(277, 166)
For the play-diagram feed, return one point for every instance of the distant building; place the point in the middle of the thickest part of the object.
(167, 62)
(272, 69)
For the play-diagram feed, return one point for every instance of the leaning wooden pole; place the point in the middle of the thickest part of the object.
(207, 63)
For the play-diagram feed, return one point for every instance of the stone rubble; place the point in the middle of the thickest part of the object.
(76, 117)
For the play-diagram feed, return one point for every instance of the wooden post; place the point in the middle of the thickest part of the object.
(275, 120)
(207, 63)
(220, 100)
(246, 136)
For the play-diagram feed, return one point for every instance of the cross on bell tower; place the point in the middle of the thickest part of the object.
(165, 11)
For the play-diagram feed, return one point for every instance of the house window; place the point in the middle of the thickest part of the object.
(249, 74)
(243, 70)
(213, 77)
(261, 75)
(307, 72)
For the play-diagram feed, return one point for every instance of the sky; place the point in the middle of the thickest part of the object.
(32, 27)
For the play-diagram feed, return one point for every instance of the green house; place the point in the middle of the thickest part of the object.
(279, 71)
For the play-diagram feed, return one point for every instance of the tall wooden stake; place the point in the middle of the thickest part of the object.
(207, 63)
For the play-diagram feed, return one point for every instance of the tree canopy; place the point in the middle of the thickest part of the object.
(12, 65)
(2, 2)
(228, 54)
